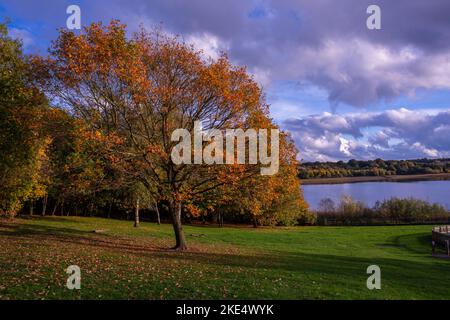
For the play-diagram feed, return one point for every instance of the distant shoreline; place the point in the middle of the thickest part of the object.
(394, 178)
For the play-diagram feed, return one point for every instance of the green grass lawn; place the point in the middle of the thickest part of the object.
(233, 263)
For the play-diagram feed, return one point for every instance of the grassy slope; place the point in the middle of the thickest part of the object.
(280, 263)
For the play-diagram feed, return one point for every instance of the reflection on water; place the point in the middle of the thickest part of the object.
(371, 192)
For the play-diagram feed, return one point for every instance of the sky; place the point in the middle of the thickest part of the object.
(342, 90)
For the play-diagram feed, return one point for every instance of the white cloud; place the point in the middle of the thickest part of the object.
(209, 44)
(22, 34)
(391, 134)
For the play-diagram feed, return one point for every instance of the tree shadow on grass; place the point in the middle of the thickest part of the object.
(73, 236)
(419, 243)
(49, 218)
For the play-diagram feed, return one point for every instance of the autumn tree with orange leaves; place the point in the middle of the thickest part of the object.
(140, 89)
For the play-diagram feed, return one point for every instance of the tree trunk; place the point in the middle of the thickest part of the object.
(44, 204)
(31, 208)
(55, 207)
(175, 210)
(157, 213)
(255, 222)
(136, 214)
(91, 208)
(109, 210)
(220, 218)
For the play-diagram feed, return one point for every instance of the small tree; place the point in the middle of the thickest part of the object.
(327, 205)
(135, 195)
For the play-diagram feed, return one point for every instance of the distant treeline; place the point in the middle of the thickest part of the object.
(388, 212)
(378, 167)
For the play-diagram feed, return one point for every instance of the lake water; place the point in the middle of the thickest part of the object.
(371, 192)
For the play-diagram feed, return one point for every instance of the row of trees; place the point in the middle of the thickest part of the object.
(378, 167)
(390, 211)
(87, 129)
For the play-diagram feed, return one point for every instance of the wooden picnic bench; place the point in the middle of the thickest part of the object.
(440, 236)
